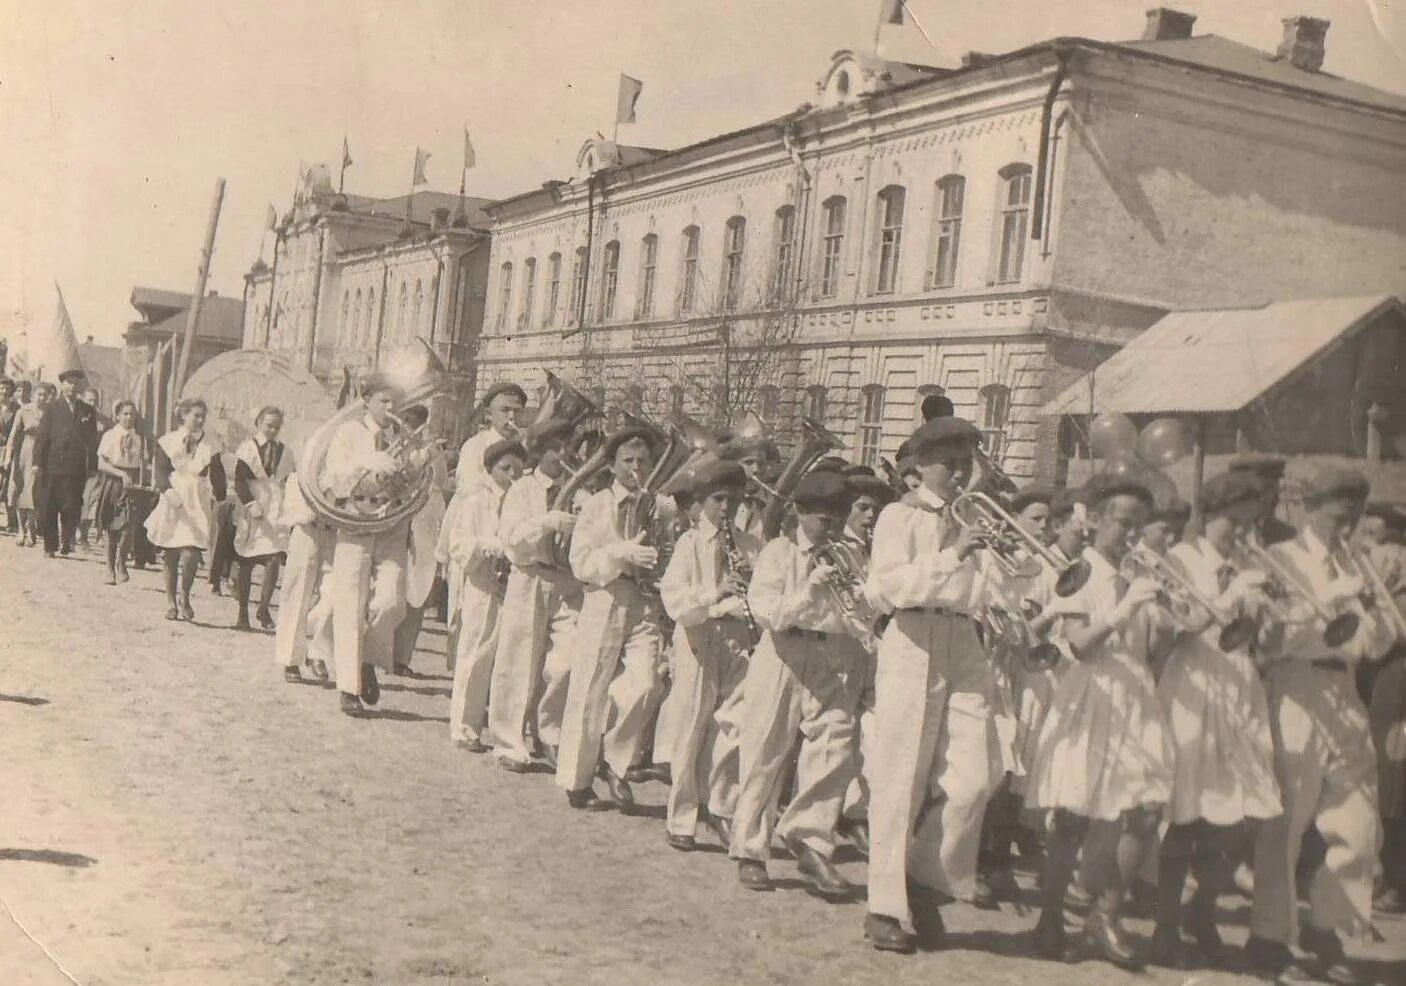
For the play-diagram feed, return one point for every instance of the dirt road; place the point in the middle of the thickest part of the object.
(173, 813)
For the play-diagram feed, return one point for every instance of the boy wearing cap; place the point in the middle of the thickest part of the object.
(804, 676)
(1322, 749)
(933, 698)
(760, 457)
(1267, 472)
(704, 590)
(539, 609)
(476, 547)
(618, 630)
(1103, 763)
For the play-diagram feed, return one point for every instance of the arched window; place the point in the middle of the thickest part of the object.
(676, 399)
(734, 246)
(529, 288)
(345, 327)
(1015, 221)
(768, 403)
(995, 414)
(816, 403)
(649, 263)
(609, 279)
(947, 233)
(549, 315)
(370, 318)
(578, 285)
(688, 275)
(785, 236)
(871, 424)
(505, 296)
(415, 311)
(890, 239)
(842, 84)
(402, 310)
(833, 247)
(924, 392)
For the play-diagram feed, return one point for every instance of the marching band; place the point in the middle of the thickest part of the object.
(931, 667)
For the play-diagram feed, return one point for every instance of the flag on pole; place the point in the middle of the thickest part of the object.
(422, 157)
(271, 220)
(346, 154)
(893, 12)
(469, 161)
(58, 351)
(630, 90)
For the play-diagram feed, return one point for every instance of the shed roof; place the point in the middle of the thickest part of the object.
(1218, 360)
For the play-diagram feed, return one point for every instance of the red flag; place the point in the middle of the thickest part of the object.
(422, 157)
(346, 154)
(469, 160)
(893, 12)
(630, 90)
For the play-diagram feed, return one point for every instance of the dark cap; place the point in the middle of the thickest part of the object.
(1104, 486)
(506, 446)
(506, 387)
(1034, 493)
(1335, 483)
(1264, 466)
(1392, 513)
(937, 406)
(831, 463)
(1062, 504)
(624, 436)
(942, 432)
(904, 453)
(551, 430)
(822, 491)
(1229, 489)
(74, 374)
(867, 484)
(719, 474)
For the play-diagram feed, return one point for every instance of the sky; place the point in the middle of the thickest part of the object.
(117, 116)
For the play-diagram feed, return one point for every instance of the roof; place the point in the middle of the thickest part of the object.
(422, 206)
(1220, 360)
(149, 300)
(101, 361)
(220, 318)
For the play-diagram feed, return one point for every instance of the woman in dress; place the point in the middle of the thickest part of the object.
(190, 478)
(119, 468)
(9, 418)
(263, 465)
(22, 468)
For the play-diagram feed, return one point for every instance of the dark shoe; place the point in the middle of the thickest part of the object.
(66, 550)
(1002, 882)
(111, 578)
(928, 925)
(1106, 938)
(983, 897)
(1165, 950)
(886, 935)
(639, 774)
(215, 589)
(548, 755)
(241, 622)
(683, 843)
(515, 766)
(292, 675)
(1049, 938)
(1201, 923)
(370, 687)
(618, 787)
(1326, 950)
(1266, 955)
(187, 613)
(173, 613)
(471, 746)
(858, 834)
(720, 827)
(1389, 901)
(824, 877)
(351, 705)
(264, 617)
(586, 800)
(751, 873)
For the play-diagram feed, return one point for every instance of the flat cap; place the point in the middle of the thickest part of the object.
(1335, 483)
(821, 490)
(1105, 486)
(1229, 489)
(1173, 511)
(719, 474)
(904, 453)
(1034, 493)
(496, 451)
(505, 387)
(871, 486)
(553, 429)
(72, 374)
(1266, 466)
(624, 435)
(940, 432)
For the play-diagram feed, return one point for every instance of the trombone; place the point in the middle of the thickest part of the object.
(1181, 599)
(1015, 550)
(1376, 596)
(1338, 628)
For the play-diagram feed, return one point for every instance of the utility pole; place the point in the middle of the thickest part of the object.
(198, 298)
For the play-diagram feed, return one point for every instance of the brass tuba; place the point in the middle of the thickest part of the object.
(418, 375)
(816, 442)
(680, 441)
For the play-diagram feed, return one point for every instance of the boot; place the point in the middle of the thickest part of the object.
(1104, 934)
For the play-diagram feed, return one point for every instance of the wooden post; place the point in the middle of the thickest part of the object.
(198, 298)
(1198, 457)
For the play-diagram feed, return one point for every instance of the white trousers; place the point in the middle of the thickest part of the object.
(709, 662)
(796, 683)
(618, 631)
(1328, 778)
(309, 546)
(479, 608)
(367, 591)
(936, 761)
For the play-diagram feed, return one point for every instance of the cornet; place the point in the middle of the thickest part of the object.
(1015, 550)
(1376, 597)
(1182, 600)
(1283, 585)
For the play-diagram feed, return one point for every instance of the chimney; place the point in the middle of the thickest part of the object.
(439, 218)
(1166, 24)
(1303, 42)
(88, 341)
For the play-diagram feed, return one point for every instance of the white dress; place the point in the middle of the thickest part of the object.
(266, 534)
(1104, 747)
(184, 515)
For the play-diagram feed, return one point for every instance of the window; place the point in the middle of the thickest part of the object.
(370, 318)
(415, 312)
(688, 280)
(346, 315)
(405, 304)
(871, 424)
(734, 243)
(815, 403)
(549, 316)
(785, 248)
(1015, 220)
(948, 233)
(609, 279)
(649, 262)
(890, 238)
(834, 247)
(505, 295)
(995, 412)
(578, 283)
(529, 288)
(768, 403)
(676, 399)
(351, 320)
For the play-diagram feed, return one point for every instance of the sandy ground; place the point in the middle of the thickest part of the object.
(173, 813)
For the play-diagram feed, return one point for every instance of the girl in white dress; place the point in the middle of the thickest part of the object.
(263, 465)
(190, 478)
(119, 468)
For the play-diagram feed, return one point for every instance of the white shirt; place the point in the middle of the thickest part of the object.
(474, 541)
(121, 448)
(781, 596)
(689, 587)
(914, 564)
(352, 455)
(598, 552)
(1315, 567)
(471, 459)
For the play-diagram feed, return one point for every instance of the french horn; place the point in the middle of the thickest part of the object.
(417, 375)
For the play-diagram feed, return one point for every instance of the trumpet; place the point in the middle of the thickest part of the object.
(1016, 551)
(1283, 585)
(849, 569)
(1182, 600)
(1036, 653)
(1377, 595)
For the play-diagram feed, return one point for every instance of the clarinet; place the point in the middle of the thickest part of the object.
(737, 563)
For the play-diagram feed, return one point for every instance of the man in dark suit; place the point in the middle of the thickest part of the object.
(65, 453)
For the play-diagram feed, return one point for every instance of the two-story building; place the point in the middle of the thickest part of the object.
(990, 232)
